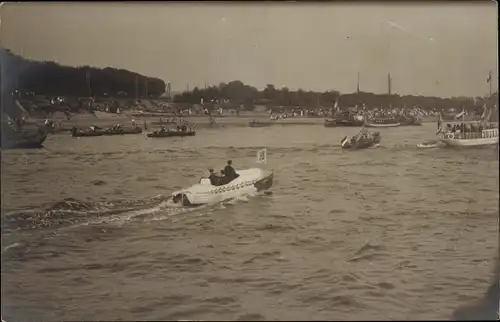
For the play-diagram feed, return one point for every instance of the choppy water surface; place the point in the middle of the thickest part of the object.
(394, 232)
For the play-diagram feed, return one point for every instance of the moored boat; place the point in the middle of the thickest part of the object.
(23, 139)
(97, 131)
(255, 123)
(409, 120)
(122, 131)
(346, 118)
(77, 133)
(171, 133)
(382, 122)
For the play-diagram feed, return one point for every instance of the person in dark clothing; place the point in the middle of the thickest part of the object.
(223, 179)
(214, 179)
(229, 171)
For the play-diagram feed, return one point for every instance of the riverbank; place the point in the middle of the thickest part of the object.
(103, 119)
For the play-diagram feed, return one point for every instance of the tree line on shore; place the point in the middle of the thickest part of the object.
(238, 93)
(49, 78)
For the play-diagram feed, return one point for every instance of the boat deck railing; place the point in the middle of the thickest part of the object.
(493, 133)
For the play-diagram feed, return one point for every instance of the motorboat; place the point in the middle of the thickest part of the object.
(363, 140)
(249, 181)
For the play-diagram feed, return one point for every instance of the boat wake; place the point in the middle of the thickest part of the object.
(73, 213)
(429, 144)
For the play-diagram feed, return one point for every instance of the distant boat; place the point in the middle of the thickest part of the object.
(170, 133)
(108, 132)
(254, 123)
(345, 119)
(409, 120)
(23, 139)
(382, 122)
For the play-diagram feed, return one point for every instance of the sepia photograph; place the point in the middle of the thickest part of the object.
(249, 161)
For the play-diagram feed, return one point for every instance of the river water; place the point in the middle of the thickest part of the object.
(394, 232)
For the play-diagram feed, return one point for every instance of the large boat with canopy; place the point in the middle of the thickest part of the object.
(468, 133)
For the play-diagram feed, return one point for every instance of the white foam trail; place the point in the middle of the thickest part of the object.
(411, 33)
(11, 246)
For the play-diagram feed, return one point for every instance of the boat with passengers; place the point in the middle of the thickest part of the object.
(469, 133)
(345, 118)
(382, 122)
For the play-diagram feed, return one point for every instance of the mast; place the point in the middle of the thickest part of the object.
(136, 87)
(488, 80)
(146, 87)
(357, 88)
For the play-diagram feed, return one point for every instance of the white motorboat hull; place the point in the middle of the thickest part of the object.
(470, 142)
(248, 182)
(382, 125)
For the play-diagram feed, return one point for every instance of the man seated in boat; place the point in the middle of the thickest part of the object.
(184, 127)
(162, 129)
(363, 134)
(214, 179)
(229, 172)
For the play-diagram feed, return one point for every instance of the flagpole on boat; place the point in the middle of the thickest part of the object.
(488, 80)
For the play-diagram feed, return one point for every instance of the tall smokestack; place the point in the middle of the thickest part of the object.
(389, 81)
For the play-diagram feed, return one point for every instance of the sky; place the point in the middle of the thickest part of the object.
(434, 49)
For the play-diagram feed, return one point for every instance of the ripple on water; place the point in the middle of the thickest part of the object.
(387, 233)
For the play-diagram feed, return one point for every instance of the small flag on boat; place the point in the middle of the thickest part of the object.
(440, 121)
(488, 115)
(489, 77)
(485, 108)
(336, 106)
(262, 156)
(459, 115)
